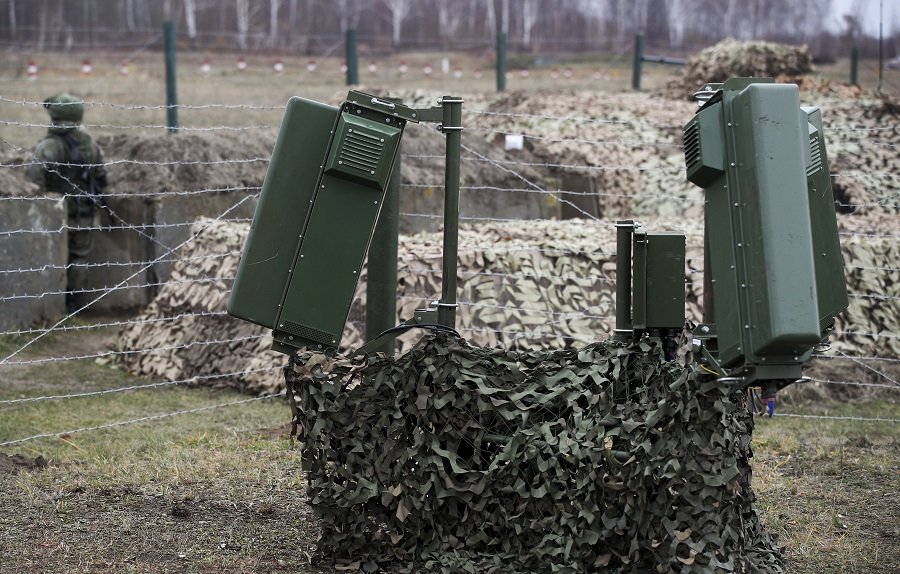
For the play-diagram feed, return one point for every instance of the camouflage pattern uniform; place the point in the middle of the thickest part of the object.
(68, 161)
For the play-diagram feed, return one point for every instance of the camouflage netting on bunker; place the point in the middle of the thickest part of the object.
(535, 283)
(732, 58)
(540, 284)
(454, 458)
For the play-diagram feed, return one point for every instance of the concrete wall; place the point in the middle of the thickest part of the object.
(32, 251)
(157, 225)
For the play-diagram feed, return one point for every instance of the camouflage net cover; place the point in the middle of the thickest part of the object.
(456, 458)
(541, 284)
(731, 58)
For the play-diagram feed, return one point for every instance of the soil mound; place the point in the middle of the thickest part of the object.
(731, 58)
(11, 464)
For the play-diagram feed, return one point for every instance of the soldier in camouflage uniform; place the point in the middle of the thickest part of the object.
(68, 161)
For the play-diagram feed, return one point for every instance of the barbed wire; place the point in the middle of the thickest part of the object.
(146, 127)
(541, 164)
(527, 181)
(105, 264)
(85, 290)
(114, 353)
(579, 119)
(679, 199)
(140, 226)
(859, 361)
(126, 323)
(859, 358)
(40, 104)
(543, 311)
(610, 223)
(143, 387)
(141, 162)
(854, 384)
(127, 194)
(679, 169)
(836, 418)
(638, 143)
(125, 281)
(885, 334)
(590, 120)
(139, 420)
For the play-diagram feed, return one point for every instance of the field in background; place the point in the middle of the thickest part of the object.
(260, 86)
(217, 490)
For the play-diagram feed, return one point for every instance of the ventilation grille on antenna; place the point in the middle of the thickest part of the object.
(815, 152)
(361, 151)
(692, 146)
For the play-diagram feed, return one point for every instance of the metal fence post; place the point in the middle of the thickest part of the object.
(352, 59)
(452, 127)
(624, 230)
(638, 61)
(381, 281)
(501, 61)
(171, 94)
(854, 66)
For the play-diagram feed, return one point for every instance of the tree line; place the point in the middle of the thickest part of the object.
(317, 26)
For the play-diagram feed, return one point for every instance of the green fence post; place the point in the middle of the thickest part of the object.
(624, 230)
(638, 61)
(352, 59)
(381, 278)
(171, 94)
(501, 62)
(854, 66)
(452, 127)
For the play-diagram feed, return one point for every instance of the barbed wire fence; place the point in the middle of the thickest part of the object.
(875, 369)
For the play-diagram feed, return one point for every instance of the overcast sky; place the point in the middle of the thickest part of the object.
(870, 11)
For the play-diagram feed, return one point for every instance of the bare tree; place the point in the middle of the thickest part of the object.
(399, 11)
(190, 18)
(12, 18)
(529, 19)
(450, 15)
(491, 18)
(242, 12)
(348, 12)
(129, 14)
(274, 5)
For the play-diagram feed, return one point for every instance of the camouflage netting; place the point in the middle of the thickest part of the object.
(731, 58)
(457, 458)
(607, 155)
(542, 284)
(551, 283)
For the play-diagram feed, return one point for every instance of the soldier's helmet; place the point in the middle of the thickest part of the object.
(65, 110)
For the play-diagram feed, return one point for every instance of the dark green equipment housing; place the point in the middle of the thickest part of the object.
(312, 227)
(649, 284)
(774, 278)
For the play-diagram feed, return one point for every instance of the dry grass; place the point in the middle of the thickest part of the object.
(829, 489)
(216, 491)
